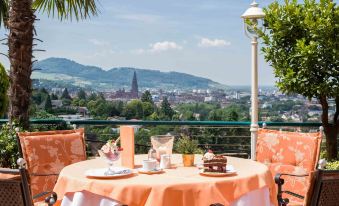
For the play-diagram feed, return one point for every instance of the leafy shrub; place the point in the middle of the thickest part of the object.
(9, 152)
(332, 165)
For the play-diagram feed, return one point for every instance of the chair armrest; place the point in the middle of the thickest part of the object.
(280, 181)
(9, 171)
(50, 199)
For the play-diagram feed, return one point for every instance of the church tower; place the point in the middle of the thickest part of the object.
(134, 90)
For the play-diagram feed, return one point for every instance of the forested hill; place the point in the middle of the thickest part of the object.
(70, 72)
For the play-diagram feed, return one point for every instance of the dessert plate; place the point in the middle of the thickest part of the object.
(100, 173)
(150, 172)
(229, 171)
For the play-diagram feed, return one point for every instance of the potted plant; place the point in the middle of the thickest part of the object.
(187, 147)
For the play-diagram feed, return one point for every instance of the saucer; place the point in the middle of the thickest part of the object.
(150, 172)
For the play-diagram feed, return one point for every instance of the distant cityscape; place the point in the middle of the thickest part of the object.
(274, 106)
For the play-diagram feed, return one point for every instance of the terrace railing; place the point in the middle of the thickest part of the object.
(232, 138)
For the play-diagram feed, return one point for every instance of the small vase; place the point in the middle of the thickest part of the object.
(188, 160)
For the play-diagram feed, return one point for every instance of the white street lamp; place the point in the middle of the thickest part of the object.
(252, 19)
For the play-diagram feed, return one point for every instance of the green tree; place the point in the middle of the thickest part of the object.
(54, 96)
(134, 110)
(65, 95)
(147, 97)
(302, 45)
(82, 94)
(147, 109)
(93, 97)
(166, 111)
(4, 84)
(20, 23)
(44, 91)
(48, 103)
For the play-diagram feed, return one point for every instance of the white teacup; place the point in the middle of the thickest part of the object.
(149, 165)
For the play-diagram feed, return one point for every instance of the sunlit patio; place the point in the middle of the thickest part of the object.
(171, 162)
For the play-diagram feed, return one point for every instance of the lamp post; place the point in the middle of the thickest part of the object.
(252, 18)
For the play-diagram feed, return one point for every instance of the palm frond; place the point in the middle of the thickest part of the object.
(67, 9)
(4, 7)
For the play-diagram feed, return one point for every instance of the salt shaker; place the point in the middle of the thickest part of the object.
(165, 161)
(152, 154)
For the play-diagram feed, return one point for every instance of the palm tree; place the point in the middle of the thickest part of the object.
(20, 42)
(3, 11)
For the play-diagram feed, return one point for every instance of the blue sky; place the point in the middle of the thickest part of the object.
(200, 37)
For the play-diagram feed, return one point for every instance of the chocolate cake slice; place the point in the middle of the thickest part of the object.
(216, 164)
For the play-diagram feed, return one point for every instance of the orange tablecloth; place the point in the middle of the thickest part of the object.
(179, 186)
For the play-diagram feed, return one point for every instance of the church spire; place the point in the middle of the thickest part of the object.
(134, 90)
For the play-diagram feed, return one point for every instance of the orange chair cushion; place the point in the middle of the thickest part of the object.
(289, 148)
(47, 153)
(290, 153)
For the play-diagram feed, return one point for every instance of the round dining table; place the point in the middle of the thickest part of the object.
(178, 186)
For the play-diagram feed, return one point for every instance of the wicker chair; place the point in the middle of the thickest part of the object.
(15, 191)
(325, 187)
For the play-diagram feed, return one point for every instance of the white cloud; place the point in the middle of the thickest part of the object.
(205, 42)
(159, 47)
(164, 46)
(97, 42)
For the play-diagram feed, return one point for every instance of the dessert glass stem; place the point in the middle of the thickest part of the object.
(109, 170)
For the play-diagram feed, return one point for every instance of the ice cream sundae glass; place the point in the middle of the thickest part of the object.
(111, 152)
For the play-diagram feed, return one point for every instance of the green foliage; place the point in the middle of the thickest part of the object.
(3, 12)
(147, 97)
(8, 146)
(134, 110)
(92, 96)
(4, 84)
(166, 111)
(142, 137)
(42, 114)
(48, 103)
(148, 109)
(301, 44)
(82, 94)
(185, 145)
(102, 109)
(203, 109)
(65, 95)
(334, 165)
(78, 9)
(54, 96)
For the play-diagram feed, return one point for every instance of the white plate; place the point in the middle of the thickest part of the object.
(100, 173)
(229, 171)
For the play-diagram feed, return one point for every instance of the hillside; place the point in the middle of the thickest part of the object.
(66, 71)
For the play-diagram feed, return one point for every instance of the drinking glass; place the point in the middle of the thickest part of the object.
(163, 144)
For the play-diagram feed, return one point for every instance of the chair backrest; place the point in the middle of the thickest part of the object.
(326, 188)
(289, 148)
(14, 190)
(47, 153)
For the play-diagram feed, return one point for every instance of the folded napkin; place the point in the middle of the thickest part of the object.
(125, 171)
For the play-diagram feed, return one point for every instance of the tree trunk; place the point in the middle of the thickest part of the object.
(331, 133)
(331, 129)
(20, 42)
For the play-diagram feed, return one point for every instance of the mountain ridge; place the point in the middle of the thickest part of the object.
(69, 71)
